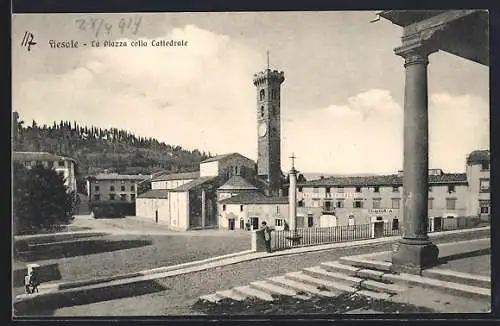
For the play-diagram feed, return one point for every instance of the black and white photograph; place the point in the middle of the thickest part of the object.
(271, 163)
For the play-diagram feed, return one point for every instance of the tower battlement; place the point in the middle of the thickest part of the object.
(268, 74)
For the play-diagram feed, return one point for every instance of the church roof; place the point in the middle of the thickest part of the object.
(223, 156)
(253, 197)
(178, 176)
(193, 184)
(237, 182)
(155, 193)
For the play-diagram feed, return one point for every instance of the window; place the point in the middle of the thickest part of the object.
(484, 185)
(395, 188)
(122, 188)
(274, 110)
(358, 204)
(97, 197)
(300, 189)
(315, 190)
(132, 196)
(316, 202)
(278, 222)
(123, 197)
(262, 94)
(223, 207)
(241, 208)
(27, 164)
(485, 165)
(376, 203)
(262, 112)
(300, 203)
(38, 163)
(430, 204)
(485, 210)
(451, 203)
(327, 189)
(340, 189)
(328, 205)
(273, 94)
(61, 174)
(132, 188)
(60, 163)
(340, 204)
(50, 164)
(376, 189)
(111, 188)
(358, 189)
(395, 203)
(277, 209)
(451, 188)
(112, 196)
(96, 188)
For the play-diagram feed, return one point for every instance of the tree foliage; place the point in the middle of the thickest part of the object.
(116, 150)
(40, 199)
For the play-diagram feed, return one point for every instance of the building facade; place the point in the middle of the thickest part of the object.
(113, 186)
(184, 201)
(478, 178)
(363, 198)
(248, 210)
(64, 166)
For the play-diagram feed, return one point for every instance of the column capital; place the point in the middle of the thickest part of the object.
(417, 47)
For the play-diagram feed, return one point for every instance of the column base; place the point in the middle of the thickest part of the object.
(413, 256)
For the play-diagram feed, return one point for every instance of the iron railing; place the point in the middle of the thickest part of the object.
(317, 236)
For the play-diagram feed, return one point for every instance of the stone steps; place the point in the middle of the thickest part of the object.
(357, 275)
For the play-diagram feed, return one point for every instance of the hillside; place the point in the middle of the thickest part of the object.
(96, 149)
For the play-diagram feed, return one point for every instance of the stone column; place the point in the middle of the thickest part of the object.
(203, 207)
(415, 250)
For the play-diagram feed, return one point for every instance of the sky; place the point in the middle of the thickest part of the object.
(341, 102)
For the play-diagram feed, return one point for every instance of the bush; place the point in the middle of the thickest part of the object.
(41, 200)
(112, 209)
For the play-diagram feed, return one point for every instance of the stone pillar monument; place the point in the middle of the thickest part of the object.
(292, 204)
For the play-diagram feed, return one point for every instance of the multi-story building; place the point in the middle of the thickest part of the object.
(113, 186)
(64, 166)
(478, 178)
(363, 198)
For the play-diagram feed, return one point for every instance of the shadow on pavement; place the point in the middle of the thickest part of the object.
(474, 253)
(46, 305)
(78, 247)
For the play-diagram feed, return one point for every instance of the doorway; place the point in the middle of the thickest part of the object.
(438, 224)
(231, 223)
(255, 223)
(310, 220)
(156, 216)
(242, 224)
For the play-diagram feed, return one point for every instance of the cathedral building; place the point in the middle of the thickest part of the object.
(206, 198)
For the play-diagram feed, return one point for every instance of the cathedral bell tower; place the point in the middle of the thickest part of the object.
(268, 84)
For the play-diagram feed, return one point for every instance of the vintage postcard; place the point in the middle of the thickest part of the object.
(251, 163)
